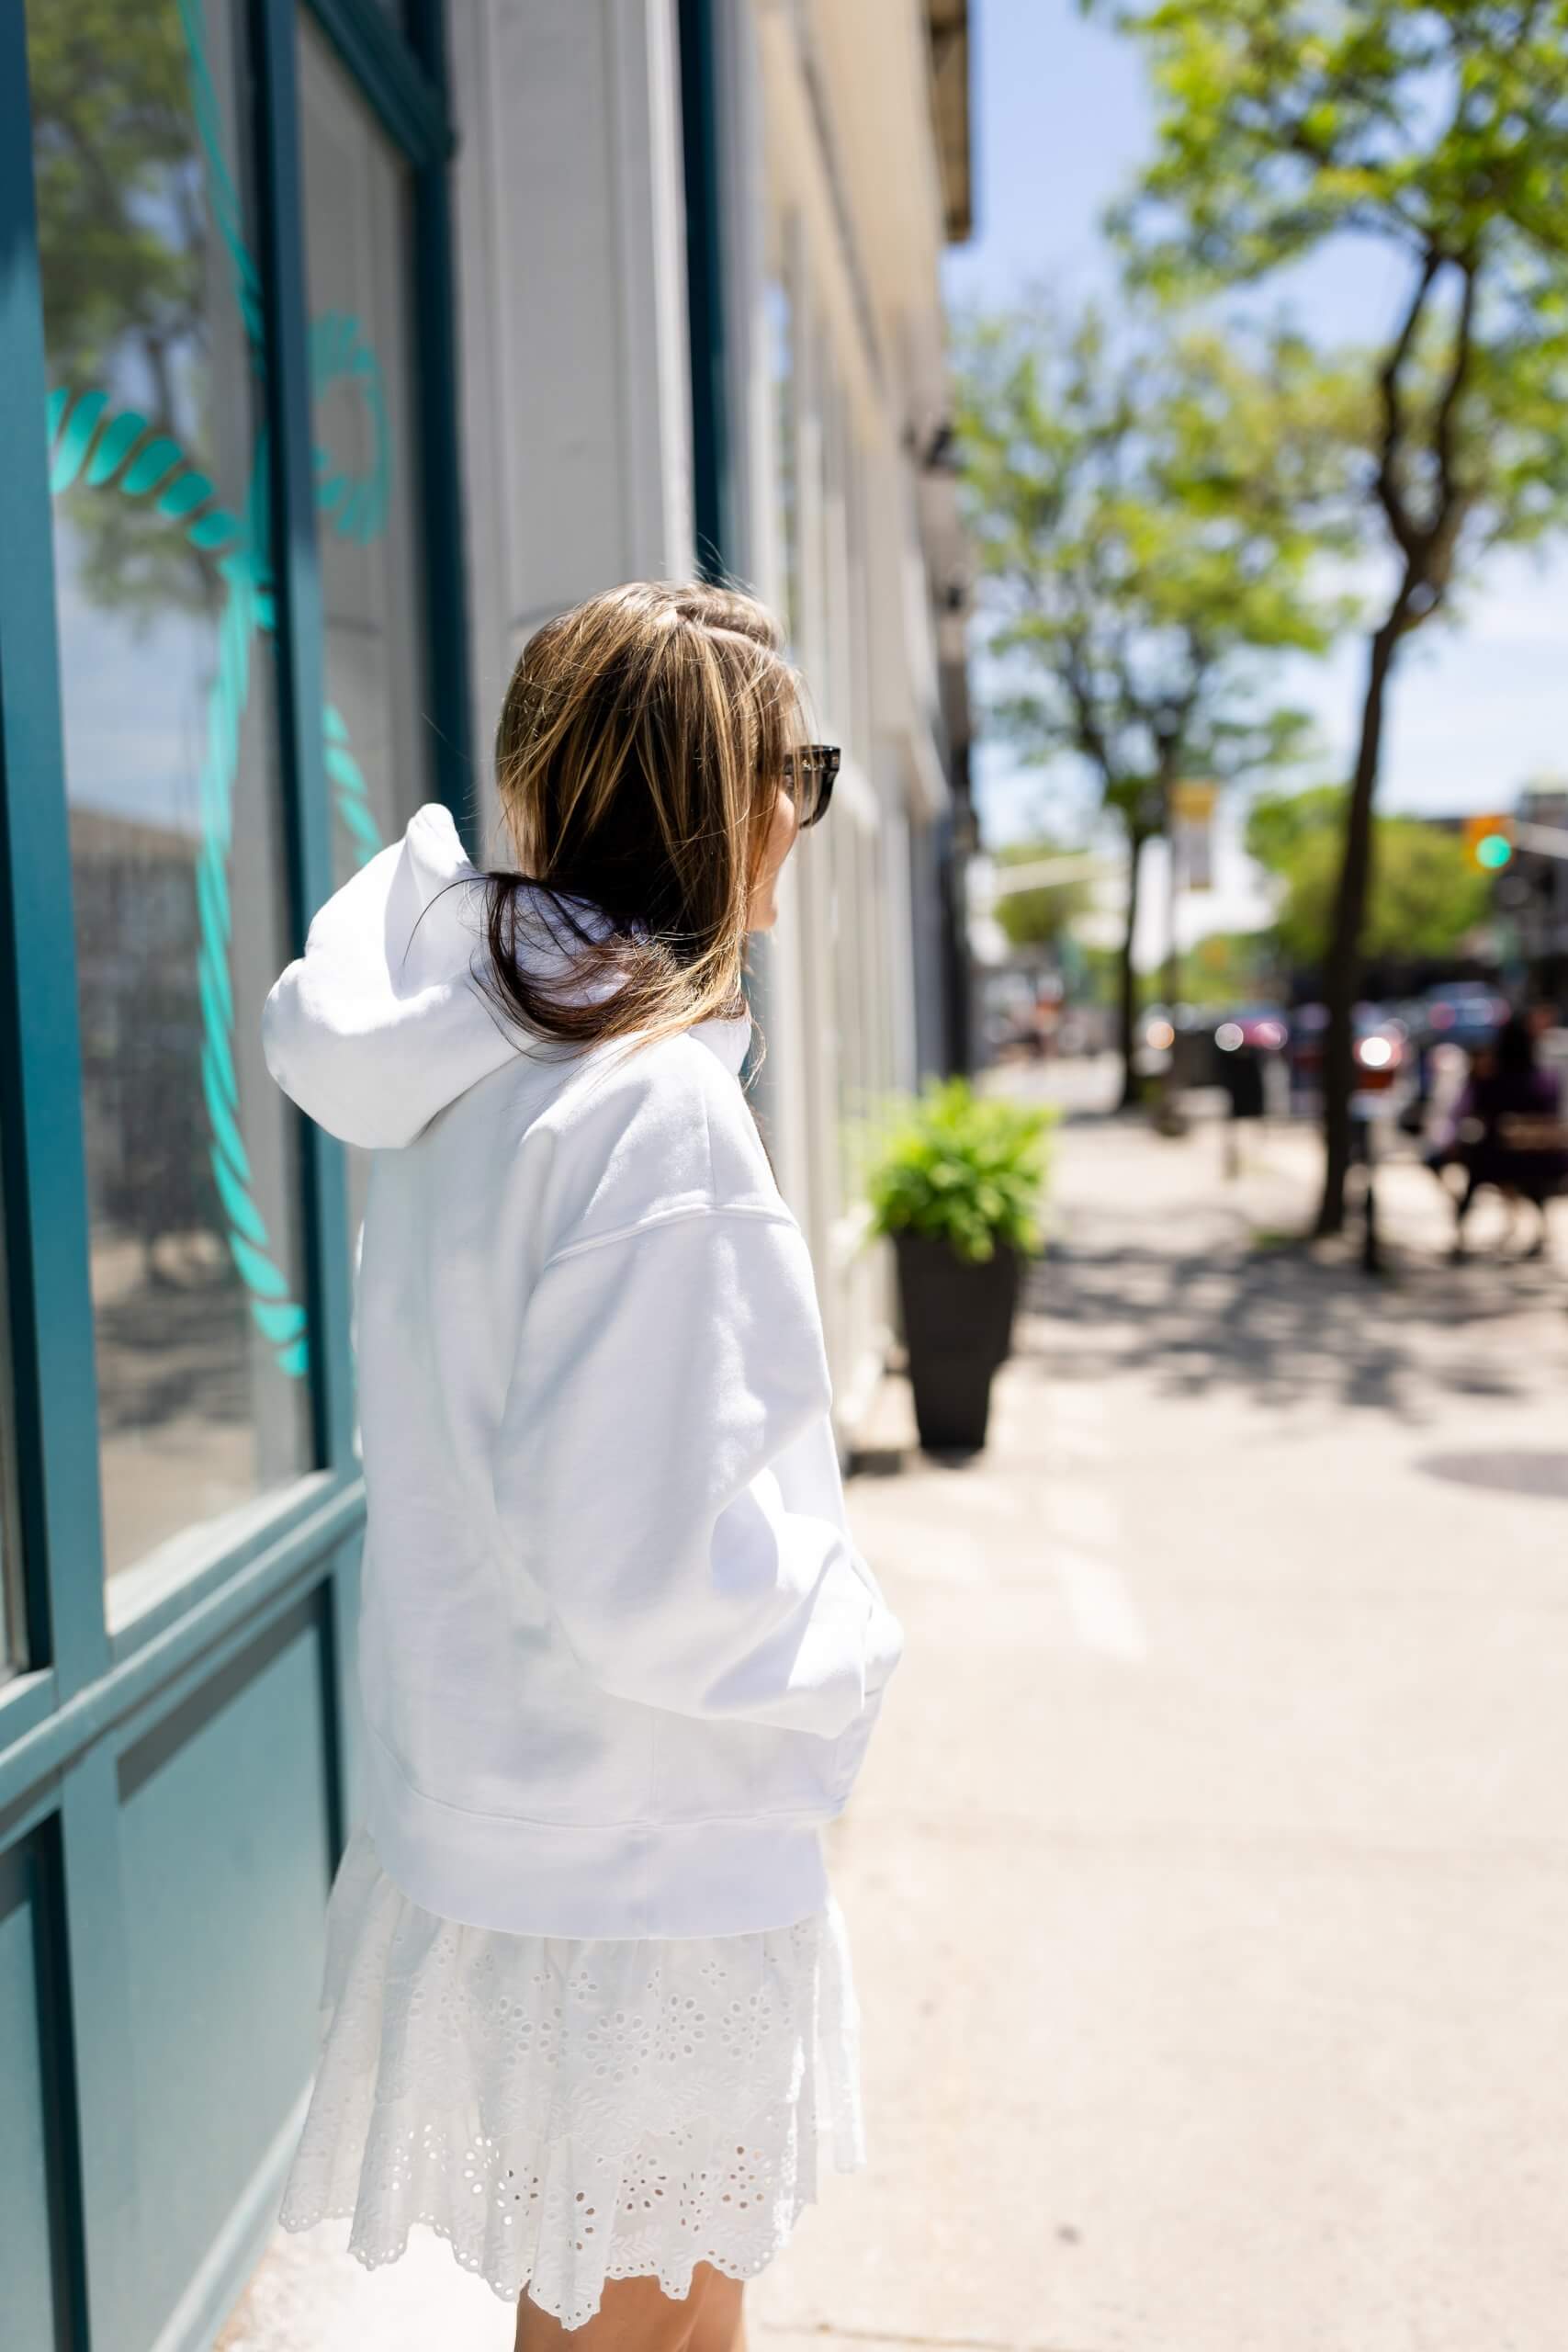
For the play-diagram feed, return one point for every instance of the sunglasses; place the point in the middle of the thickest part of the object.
(808, 772)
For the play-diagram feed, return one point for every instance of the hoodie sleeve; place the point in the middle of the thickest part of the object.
(661, 1479)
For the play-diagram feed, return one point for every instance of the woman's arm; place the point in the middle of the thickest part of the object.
(661, 1372)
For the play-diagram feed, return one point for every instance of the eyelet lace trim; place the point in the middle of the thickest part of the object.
(566, 2111)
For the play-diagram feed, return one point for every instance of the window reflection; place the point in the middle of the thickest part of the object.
(357, 203)
(358, 227)
(12, 1618)
(780, 306)
(152, 329)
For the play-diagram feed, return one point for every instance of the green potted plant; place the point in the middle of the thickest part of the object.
(956, 1180)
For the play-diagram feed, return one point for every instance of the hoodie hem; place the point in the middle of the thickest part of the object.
(629, 1880)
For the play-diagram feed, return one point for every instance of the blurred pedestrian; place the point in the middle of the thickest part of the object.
(1506, 1131)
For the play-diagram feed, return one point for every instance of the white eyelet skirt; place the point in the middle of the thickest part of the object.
(565, 2110)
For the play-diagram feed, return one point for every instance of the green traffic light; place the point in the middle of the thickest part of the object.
(1493, 850)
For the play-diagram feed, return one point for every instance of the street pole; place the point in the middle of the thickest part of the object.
(1169, 1118)
(1372, 1250)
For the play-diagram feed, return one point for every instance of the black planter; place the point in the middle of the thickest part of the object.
(958, 1327)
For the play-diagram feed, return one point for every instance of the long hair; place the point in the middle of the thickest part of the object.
(638, 759)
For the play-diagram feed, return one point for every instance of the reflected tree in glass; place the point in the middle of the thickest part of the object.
(154, 345)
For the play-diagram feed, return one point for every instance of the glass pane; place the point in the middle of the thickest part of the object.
(357, 217)
(858, 532)
(159, 474)
(780, 311)
(835, 680)
(853, 907)
(13, 1621)
(811, 425)
(357, 206)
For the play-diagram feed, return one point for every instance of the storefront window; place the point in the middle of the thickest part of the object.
(835, 554)
(786, 493)
(358, 208)
(852, 897)
(357, 204)
(163, 568)
(858, 533)
(12, 1624)
(816, 550)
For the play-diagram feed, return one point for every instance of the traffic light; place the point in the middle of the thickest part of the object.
(1489, 843)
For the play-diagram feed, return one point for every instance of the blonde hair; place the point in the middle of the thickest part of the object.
(638, 759)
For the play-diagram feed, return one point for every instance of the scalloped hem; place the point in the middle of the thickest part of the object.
(742, 2271)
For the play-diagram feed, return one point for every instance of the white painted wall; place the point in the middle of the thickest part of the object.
(572, 310)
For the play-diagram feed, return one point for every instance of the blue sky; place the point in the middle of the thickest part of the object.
(1061, 123)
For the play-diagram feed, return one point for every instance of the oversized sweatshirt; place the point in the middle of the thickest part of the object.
(619, 1655)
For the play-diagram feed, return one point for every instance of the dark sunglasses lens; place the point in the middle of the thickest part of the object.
(811, 773)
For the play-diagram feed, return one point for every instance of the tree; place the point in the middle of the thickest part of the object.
(1425, 896)
(125, 251)
(1438, 127)
(1037, 916)
(1146, 519)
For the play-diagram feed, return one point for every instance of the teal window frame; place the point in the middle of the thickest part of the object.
(83, 1688)
(713, 483)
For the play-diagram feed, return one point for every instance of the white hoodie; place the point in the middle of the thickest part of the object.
(619, 1655)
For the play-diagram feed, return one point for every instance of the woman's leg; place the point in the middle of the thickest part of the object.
(634, 2316)
(1462, 1208)
(721, 2322)
(1538, 1247)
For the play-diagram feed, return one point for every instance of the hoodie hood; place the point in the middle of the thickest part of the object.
(382, 1022)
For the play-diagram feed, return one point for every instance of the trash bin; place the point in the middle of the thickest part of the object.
(1240, 1073)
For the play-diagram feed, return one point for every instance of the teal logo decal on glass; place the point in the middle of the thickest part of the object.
(116, 450)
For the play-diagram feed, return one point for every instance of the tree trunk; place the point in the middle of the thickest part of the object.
(1127, 1039)
(1342, 971)
(1169, 1118)
(1172, 982)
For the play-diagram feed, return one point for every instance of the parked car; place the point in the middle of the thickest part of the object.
(1263, 1027)
(1465, 1014)
(1382, 1048)
(1461, 1012)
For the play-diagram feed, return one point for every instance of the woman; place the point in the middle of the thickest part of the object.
(1504, 1131)
(588, 2004)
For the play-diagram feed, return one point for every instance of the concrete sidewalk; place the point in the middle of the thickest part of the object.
(1207, 1879)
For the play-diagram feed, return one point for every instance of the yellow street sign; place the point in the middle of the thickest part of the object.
(1193, 803)
(1193, 833)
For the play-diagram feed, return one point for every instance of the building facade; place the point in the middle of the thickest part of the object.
(1532, 898)
(731, 214)
(339, 345)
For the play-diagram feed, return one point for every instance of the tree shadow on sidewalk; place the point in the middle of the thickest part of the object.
(1286, 1328)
